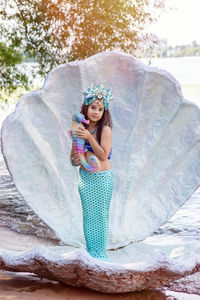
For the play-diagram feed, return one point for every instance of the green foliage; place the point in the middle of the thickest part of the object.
(10, 77)
(52, 32)
(9, 97)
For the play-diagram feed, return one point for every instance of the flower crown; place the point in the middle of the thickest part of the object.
(98, 92)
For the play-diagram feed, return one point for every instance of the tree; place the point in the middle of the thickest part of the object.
(10, 57)
(56, 31)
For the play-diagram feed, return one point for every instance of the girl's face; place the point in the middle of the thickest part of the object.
(95, 111)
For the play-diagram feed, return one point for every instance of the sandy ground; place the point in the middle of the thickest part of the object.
(29, 286)
(25, 286)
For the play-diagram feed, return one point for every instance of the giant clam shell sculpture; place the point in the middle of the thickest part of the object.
(155, 162)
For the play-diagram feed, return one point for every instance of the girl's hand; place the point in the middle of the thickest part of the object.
(83, 133)
(76, 160)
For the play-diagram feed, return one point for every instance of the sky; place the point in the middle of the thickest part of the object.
(180, 25)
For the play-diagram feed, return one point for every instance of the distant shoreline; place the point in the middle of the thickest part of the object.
(168, 57)
(164, 50)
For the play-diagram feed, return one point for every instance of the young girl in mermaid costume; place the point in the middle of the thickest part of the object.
(96, 187)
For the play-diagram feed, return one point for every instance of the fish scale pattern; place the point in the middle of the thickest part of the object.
(95, 189)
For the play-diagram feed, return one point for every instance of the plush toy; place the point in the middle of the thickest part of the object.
(79, 143)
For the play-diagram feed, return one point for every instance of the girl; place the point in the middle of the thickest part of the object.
(95, 188)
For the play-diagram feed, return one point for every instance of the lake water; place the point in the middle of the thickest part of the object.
(183, 226)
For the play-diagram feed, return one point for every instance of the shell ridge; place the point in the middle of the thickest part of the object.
(31, 203)
(142, 176)
(159, 139)
(153, 148)
(126, 181)
(30, 132)
(173, 171)
(180, 107)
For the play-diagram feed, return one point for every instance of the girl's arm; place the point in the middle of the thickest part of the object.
(72, 150)
(74, 157)
(102, 151)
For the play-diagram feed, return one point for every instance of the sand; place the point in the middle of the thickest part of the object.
(25, 286)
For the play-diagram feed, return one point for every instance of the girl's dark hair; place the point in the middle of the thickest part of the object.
(105, 120)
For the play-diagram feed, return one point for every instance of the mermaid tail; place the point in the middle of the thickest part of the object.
(95, 164)
(95, 189)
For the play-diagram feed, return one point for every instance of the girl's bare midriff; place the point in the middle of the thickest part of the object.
(104, 164)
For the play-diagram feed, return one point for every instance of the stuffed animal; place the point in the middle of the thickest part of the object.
(79, 143)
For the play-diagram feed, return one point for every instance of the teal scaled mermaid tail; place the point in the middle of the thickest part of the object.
(95, 189)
